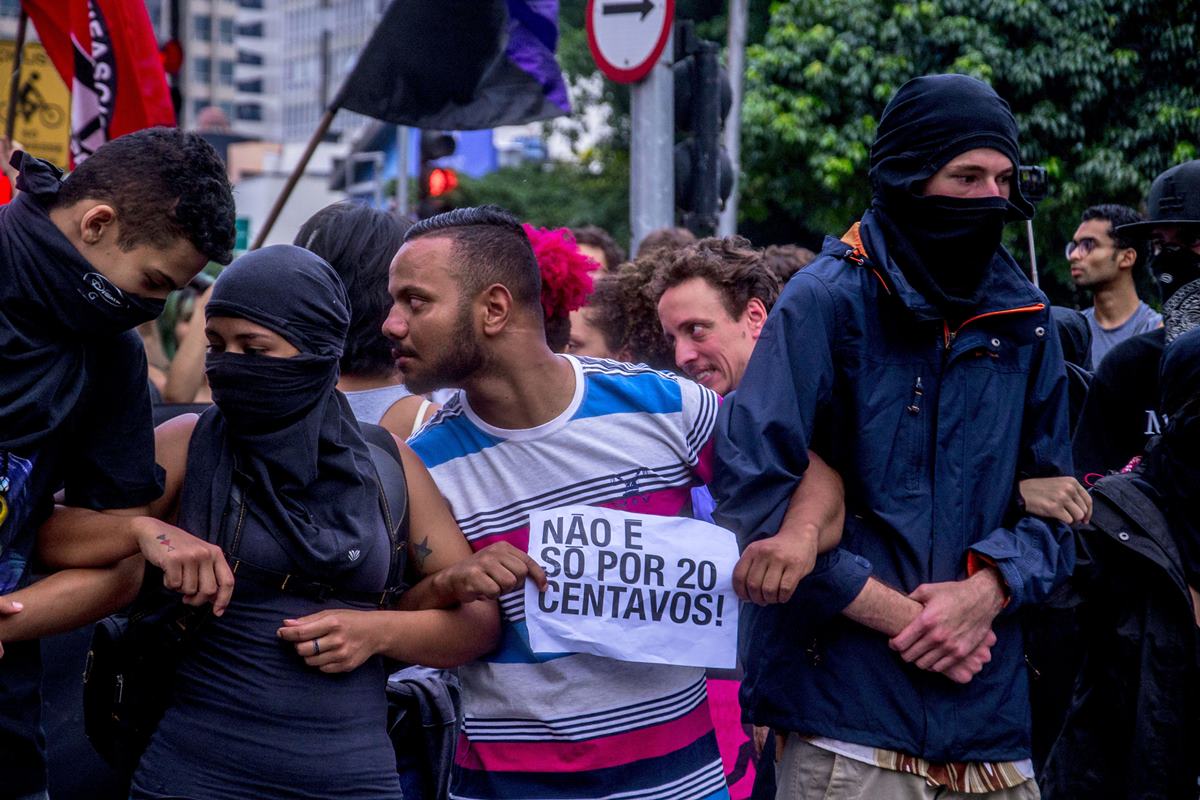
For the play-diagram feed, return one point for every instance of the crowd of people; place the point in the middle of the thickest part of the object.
(969, 548)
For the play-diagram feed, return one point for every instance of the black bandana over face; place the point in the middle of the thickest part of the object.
(1177, 271)
(281, 421)
(943, 245)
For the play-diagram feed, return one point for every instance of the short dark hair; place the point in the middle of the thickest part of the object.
(627, 316)
(665, 239)
(730, 265)
(490, 247)
(165, 184)
(785, 260)
(359, 242)
(1116, 215)
(594, 236)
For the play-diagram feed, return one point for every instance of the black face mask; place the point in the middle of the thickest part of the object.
(1177, 271)
(99, 307)
(1174, 267)
(945, 245)
(261, 394)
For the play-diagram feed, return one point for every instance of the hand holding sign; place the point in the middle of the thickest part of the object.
(635, 587)
(493, 571)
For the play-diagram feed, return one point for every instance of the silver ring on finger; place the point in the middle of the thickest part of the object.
(316, 648)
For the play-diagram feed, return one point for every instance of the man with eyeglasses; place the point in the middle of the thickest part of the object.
(1121, 411)
(1105, 262)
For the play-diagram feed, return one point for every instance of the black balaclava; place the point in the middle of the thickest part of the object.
(943, 245)
(58, 303)
(281, 421)
(1173, 458)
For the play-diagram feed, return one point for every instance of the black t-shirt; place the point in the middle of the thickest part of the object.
(1121, 411)
(104, 458)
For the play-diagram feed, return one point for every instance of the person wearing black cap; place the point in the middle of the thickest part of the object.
(919, 361)
(83, 261)
(1133, 729)
(1121, 412)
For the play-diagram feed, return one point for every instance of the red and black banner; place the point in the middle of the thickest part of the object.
(107, 55)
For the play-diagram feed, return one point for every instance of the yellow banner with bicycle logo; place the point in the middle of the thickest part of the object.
(43, 112)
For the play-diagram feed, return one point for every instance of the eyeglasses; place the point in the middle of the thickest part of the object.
(1085, 246)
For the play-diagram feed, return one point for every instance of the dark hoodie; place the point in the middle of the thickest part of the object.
(74, 413)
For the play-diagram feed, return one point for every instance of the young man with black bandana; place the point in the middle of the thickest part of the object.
(83, 261)
(1121, 412)
(918, 360)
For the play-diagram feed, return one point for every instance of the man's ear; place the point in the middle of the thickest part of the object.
(497, 304)
(755, 316)
(1126, 258)
(97, 222)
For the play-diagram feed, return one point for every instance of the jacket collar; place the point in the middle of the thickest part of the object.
(1007, 288)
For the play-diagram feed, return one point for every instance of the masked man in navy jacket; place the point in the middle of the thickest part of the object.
(916, 357)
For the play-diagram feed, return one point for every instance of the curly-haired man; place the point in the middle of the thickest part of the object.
(83, 261)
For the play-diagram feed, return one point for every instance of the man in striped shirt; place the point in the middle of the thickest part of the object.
(534, 430)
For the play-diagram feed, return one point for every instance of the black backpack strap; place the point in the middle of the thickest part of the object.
(393, 485)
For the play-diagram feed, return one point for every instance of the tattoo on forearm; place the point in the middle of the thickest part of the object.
(423, 551)
(166, 541)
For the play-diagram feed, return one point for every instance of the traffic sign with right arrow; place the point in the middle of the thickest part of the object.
(627, 36)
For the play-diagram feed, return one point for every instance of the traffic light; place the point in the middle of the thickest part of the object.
(703, 96)
(435, 182)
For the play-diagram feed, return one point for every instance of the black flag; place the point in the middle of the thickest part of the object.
(460, 65)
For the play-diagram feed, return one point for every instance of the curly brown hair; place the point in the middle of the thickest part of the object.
(730, 265)
(627, 316)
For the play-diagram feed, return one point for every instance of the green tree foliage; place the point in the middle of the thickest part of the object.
(1107, 93)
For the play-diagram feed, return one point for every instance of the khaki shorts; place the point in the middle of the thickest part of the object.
(806, 772)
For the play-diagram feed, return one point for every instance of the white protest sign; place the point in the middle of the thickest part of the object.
(634, 587)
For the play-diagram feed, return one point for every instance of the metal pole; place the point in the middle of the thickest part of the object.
(294, 178)
(1032, 251)
(402, 145)
(736, 62)
(652, 150)
(14, 85)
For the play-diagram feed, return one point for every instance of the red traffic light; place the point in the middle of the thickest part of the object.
(442, 181)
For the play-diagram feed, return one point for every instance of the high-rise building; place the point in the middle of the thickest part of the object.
(322, 38)
(233, 63)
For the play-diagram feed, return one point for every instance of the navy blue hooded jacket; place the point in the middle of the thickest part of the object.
(930, 426)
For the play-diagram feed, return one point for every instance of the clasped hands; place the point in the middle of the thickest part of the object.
(951, 633)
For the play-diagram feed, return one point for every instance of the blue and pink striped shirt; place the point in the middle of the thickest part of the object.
(576, 726)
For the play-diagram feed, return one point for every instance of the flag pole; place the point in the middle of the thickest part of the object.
(15, 84)
(294, 178)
